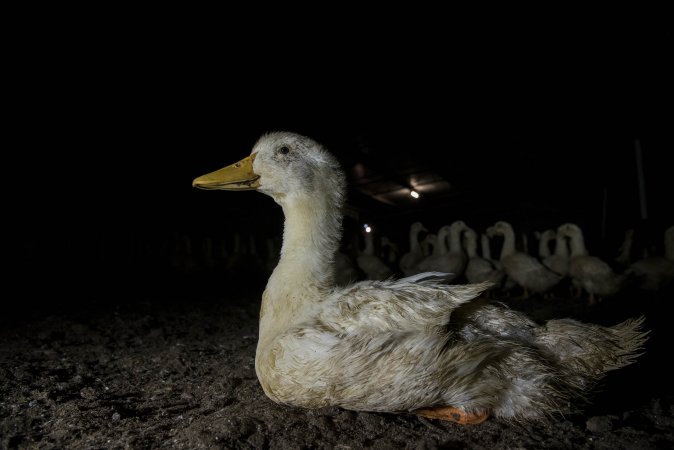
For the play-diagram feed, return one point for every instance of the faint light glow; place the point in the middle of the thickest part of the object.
(367, 228)
(414, 194)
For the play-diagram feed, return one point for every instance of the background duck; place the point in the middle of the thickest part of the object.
(410, 345)
(507, 284)
(478, 268)
(446, 258)
(408, 262)
(558, 261)
(589, 273)
(524, 269)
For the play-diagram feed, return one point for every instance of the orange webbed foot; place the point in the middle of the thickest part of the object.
(451, 414)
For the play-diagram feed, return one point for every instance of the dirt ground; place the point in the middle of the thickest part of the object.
(174, 368)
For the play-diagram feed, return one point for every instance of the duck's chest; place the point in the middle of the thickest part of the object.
(297, 367)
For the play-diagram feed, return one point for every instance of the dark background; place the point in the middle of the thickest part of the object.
(107, 131)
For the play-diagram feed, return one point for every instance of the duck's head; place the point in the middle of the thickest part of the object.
(458, 226)
(283, 165)
(569, 230)
(418, 227)
(499, 228)
(470, 235)
(444, 231)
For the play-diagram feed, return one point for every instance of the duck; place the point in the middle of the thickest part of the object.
(507, 284)
(526, 270)
(408, 262)
(479, 268)
(371, 264)
(589, 273)
(447, 259)
(414, 345)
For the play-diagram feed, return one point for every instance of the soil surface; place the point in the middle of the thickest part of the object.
(174, 368)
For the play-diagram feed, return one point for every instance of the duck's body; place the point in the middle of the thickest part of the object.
(506, 284)
(479, 268)
(587, 272)
(410, 345)
(524, 269)
(371, 264)
(448, 259)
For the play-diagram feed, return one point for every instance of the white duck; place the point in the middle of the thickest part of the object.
(589, 273)
(450, 260)
(478, 268)
(526, 270)
(408, 262)
(405, 345)
(654, 273)
(371, 264)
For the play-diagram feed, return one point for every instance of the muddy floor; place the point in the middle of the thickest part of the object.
(174, 368)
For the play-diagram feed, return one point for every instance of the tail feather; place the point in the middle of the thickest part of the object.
(590, 351)
(630, 339)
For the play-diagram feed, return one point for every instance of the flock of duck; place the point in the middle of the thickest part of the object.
(561, 255)
(428, 343)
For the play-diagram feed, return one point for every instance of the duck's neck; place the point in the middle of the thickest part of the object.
(508, 247)
(577, 244)
(455, 240)
(471, 246)
(561, 248)
(543, 245)
(305, 271)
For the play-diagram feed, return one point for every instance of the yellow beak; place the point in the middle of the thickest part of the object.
(236, 177)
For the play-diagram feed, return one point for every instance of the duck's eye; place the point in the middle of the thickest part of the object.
(284, 150)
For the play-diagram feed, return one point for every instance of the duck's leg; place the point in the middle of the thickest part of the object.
(452, 414)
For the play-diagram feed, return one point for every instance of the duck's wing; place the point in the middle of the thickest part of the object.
(400, 305)
(595, 268)
(428, 276)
